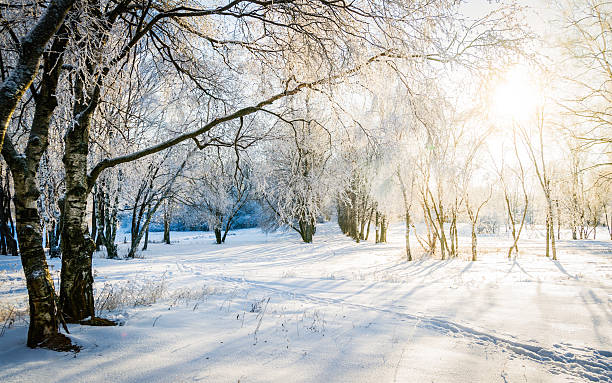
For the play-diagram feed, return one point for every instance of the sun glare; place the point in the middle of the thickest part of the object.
(517, 95)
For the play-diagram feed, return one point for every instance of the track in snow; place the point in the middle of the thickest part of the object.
(586, 363)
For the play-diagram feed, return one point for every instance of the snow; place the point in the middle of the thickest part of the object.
(267, 308)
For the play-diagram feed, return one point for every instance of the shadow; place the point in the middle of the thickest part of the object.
(562, 269)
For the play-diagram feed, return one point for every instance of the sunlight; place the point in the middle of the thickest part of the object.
(517, 95)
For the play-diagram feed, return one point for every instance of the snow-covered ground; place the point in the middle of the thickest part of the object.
(268, 308)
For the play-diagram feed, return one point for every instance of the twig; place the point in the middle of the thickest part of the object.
(260, 319)
(8, 318)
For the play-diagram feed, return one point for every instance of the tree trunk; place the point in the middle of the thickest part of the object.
(218, 238)
(307, 229)
(548, 234)
(228, 226)
(76, 289)
(31, 49)
(44, 316)
(443, 244)
(558, 222)
(101, 200)
(408, 253)
(369, 223)
(456, 235)
(76, 292)
(377, 227)
(94, 220)
(383, 228)
(167, 229)
(355, 224)
(474, 241)
(44, 319)
(8, 244)
(146, 239)
(54, 250)
(551, 231)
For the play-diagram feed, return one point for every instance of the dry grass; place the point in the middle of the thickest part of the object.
(117, 296)
(12, 314)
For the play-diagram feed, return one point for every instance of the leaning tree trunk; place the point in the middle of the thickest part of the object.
(369, 223)
(31, 49)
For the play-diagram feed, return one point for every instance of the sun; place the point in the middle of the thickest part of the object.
(517, 95)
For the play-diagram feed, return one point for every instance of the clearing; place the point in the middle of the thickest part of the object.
(267, 307)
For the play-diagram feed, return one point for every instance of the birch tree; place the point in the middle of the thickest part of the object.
(30, 49)
(534, 143)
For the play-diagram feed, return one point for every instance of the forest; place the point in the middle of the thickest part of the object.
(306, 190)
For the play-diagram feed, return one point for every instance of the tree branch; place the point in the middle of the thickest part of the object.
(245, 111)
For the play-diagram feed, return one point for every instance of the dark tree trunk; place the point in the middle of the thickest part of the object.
(8, 244)
(218, 238)
(54, 250)
(101, 200)
(167, 229)
(227, 229)
(94, 220)
(146, 229)
(146, 239)
(110, 224)
(307, 229)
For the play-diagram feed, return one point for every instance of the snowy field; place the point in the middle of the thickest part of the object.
(268, 308)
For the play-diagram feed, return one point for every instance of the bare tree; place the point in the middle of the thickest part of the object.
(587, 26)
(216, 187)
(538, 160)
